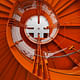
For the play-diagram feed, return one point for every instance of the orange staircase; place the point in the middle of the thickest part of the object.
(15, 66)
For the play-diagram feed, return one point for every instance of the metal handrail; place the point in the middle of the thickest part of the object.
(59, 56)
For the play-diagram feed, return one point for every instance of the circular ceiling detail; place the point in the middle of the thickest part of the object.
(47, 32)
(30, 21)
(36, 36)
(40, 20)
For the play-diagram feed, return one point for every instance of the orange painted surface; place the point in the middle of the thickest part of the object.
(15, 66)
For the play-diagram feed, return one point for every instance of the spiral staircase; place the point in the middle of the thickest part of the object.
(16, 64)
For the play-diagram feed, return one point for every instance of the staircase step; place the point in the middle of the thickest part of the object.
(3, 27)
(6, 4)
(4, 14)
(3, 21)
(9, 1)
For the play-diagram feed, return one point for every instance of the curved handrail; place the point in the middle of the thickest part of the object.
(59, 56)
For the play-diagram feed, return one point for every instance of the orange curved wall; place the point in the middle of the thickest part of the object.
(68, 12)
